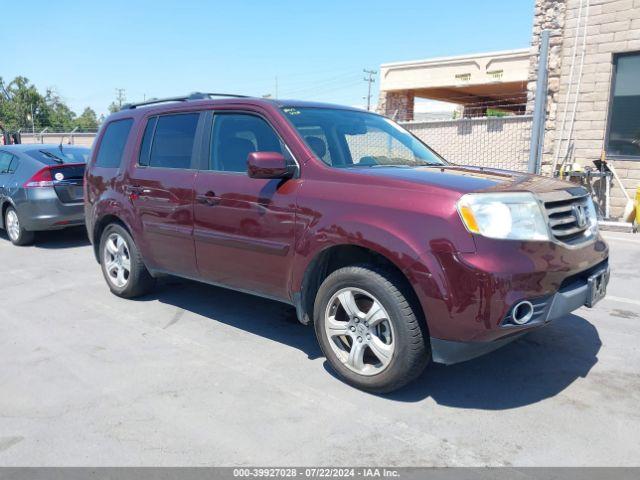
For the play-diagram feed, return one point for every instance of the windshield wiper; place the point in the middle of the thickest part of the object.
(52, 156)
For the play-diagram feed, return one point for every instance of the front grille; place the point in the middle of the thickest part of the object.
(564, 221)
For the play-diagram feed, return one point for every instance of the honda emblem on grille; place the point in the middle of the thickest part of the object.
(580, 212)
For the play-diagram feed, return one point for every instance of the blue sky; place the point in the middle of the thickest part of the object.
(317, 50)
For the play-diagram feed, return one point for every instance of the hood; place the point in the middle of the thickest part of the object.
(469, 179)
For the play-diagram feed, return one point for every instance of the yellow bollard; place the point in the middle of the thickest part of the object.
(638, 205)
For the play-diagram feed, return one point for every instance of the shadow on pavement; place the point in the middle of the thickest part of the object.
(67, 238)
(267, 318)
(537, 366)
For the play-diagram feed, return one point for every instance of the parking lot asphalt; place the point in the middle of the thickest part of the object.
(198, 375)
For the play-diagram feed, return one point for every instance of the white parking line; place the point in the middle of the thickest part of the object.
(635, 239)
(622, 300)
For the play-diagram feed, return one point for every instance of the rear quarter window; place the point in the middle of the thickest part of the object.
(112, 144)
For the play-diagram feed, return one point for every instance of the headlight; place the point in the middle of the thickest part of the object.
(509, 216)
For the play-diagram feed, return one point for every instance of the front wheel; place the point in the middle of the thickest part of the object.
(122, 265)
(15, 231)
(368, 329)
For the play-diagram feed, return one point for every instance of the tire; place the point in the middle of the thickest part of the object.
(122, 265)
(16, 233)
(389, 341)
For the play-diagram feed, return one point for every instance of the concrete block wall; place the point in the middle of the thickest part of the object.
(81, 139)
(613, 26)
(488, 142)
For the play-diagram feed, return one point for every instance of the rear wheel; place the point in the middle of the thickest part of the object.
(15, 231)
(122, 265)
(368, 328)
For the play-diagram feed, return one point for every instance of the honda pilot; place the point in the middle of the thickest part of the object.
(395, 256)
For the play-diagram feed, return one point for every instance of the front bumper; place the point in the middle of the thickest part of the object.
(572, 295)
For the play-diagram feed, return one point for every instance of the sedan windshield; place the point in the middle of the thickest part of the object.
(348, 138)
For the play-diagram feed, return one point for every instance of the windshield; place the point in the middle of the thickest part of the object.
(348, 138)
(62, 154)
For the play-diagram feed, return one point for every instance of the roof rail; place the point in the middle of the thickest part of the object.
(185, 98)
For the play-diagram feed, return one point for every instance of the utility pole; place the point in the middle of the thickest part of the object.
(370, 80)
(120, 96)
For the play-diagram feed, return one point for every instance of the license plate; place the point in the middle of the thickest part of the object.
(597, 287)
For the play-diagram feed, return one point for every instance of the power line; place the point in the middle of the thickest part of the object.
(370, 80)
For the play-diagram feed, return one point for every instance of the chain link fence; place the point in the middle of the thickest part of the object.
(496, 142)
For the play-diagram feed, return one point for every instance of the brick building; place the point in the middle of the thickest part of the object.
(593, 101)
(594, 70)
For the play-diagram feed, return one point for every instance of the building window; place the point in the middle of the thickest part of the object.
(623, 137)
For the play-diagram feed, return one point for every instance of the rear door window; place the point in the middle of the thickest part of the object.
(173, 141)
(113, 142)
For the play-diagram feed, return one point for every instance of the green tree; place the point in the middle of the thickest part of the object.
(21, 105)
(88, 120)
(60, 115)
(113, 108)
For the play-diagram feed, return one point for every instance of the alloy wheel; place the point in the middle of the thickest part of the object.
(117, 260)
(13, 225)
(359, 331)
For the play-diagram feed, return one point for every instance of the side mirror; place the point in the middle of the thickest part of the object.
(269, 165)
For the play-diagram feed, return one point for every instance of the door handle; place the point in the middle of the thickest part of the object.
(209, 199)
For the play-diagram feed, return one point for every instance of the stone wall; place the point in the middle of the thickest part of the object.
(488, 142)
(613, 26)
(397, 105)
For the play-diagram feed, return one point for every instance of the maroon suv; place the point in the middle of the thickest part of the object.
(396, 256)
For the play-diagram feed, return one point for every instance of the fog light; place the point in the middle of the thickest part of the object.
(522, 312)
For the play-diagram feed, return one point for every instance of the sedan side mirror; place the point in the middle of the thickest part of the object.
(269, 165)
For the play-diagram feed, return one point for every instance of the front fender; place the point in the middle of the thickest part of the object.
(421, 269)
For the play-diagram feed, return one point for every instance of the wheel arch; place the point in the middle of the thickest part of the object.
(333, 257)
(99, 227)
(7, 202)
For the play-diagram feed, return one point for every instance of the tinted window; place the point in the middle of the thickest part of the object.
(145, 149)
(173, 141)
(350, 138)
(624, 119)
(113, 143)
(235, 136)
(62, 154)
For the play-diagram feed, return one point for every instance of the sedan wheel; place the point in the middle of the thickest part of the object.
(359, 331)
(13, 225)
(117, 260)
(15, 231)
